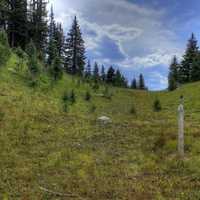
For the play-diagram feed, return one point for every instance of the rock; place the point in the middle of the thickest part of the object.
(104, 120)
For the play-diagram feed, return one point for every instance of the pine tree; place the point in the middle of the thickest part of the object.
(17, 23)
(88, 70)
(188, 62)
(195, 71)
(38, 27)
(110, 77)
(4, 10)
(51, 49)
(96, 76)
(56, 68)
(59, 39)
(134, 84)
(103, 74)
(157, 105)
(33, 63)
(75, 50)
(141, 82)
(173, 74)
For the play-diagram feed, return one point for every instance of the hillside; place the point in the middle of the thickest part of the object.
(73, 157)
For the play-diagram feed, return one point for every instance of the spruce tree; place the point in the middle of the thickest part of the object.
(173, 75)
(38, 27)
(88, 70)
(96, 76)
(103, 74)
(56, 68)
(185, 72)
(74, 50)
(110, 77)
(141, 82)
(17, 23)
(59, 39)
(33, 62)
(51, 49)
(195, 71)
(134, 84)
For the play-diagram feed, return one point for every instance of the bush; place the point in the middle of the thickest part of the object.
(93, 108)
(106, 93)
(72, 97)
(4, 48)
(157, 105)
(20, 53)
(133, 110)
(87, 96)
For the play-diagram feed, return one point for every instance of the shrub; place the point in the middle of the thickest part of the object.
(72, 97)
(106, 93)
(87, 96)
(133, 110)
(157, 105)
(93, 108)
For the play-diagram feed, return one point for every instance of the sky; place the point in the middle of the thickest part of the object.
(136, 36)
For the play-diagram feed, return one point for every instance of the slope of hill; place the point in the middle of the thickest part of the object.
(47, 153)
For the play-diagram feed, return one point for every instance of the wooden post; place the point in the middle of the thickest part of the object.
(181, 130)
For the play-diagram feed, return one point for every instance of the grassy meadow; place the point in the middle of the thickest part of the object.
(48, 153)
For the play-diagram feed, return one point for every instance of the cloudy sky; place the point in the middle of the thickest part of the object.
(137, 36)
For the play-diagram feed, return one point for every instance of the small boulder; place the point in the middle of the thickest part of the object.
(104, 120)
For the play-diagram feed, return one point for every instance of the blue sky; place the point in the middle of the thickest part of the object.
(136, 36)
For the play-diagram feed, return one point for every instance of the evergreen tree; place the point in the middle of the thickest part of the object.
(59, 39)
(75, 50)
(33, 63)
(88, 70)
(51, 50)
(141, 82)
(195, 71)
(103, 74)
(157, 105)
(17, 23)
(185, 72)
(119, 80)
(134, 84)
(38, 27)
(96, 72)
(56, 68)
(173, 74)
(72, 97)
(110, 77)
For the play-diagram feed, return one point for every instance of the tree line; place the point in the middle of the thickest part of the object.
(188, 70)
(29, 27)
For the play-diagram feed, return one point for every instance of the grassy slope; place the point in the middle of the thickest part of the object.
(133, 158)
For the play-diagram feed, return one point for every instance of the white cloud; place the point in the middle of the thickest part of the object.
(138, 31)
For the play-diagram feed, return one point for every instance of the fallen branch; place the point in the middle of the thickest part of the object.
(58, 193)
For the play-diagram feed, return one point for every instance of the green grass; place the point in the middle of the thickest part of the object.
(135, 157)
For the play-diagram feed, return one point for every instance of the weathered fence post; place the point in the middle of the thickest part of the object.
(181, 129)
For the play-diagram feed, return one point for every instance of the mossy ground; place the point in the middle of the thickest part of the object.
(135, 157)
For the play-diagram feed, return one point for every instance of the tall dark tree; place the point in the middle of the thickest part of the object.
(17, 23)
(173, 74)
(141, 82)
(88, 70)
(4, 8)
(134, 84)
(110, 77)
(191, 54)
(59, 39)
(56, 68)
(96, 72)
(103, 74)
(51, 49)
(38, 27)
(75, 50)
